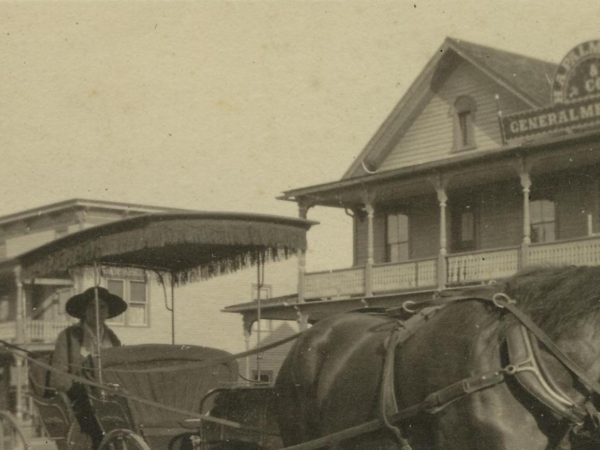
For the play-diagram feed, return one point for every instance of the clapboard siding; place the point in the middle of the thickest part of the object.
(360, 241)
(424, 228)
(501, 220)
(379, 238)
(431, 135)
(574, 198)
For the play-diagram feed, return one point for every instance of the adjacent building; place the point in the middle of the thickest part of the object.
(32, 311)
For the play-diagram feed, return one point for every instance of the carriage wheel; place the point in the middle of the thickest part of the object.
(123, 439)
(11, 435)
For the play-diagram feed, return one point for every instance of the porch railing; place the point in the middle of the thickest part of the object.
(335, 283)
(43, 331)
(482, 265)
(405, 275)
(463, 268)
(580, 252)
(8, 330)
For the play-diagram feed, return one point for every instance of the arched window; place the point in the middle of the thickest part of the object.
(464, 123)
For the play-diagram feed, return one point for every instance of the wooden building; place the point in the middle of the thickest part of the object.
(32, 311)
(489, 163)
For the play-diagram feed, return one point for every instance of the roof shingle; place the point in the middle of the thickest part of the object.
(531, 77)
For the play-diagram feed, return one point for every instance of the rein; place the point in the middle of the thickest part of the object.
(438, 400)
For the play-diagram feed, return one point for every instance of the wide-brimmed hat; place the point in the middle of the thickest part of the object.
(77, 304)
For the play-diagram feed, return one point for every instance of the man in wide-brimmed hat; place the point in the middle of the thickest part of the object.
(78, 341)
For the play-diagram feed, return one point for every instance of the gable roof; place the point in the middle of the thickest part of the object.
(527, 78)
(531, 77)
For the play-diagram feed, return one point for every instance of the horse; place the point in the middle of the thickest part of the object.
(332, 378)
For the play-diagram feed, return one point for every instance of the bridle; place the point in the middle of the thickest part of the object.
(525, 365)
(582, 416)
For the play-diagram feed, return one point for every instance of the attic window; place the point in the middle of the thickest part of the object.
(464, 120)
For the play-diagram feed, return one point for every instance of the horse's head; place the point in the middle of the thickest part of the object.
(565, 303)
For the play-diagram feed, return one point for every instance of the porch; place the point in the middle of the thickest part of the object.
(457, 269)
(35, 331)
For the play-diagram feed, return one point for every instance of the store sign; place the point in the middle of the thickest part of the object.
(575, 94)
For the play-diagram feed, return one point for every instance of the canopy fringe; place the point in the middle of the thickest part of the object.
(192, 249)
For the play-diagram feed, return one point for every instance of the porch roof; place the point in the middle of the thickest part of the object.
(347, 192)
(287, 307)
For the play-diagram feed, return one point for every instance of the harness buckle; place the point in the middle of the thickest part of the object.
(500, 300)
(408, 306)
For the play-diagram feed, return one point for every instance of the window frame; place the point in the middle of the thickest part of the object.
(388, 244)
(464, 132)
(124, 318)
(458, 208)
(543, 222)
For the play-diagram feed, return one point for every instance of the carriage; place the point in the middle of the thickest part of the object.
(163, 396)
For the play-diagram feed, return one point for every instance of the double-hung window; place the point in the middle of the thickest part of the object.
(397, 237)
(543, 220)
(135, 293)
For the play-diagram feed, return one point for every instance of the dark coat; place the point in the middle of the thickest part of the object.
(67, 357)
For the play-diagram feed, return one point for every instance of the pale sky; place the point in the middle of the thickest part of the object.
(224, 105)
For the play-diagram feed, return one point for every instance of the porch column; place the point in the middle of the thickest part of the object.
(20, 307)
(370, 250)
(526, 187)
(247, 324)
(303, 208)
(443, 202)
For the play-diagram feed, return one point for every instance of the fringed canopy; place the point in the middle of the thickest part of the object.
(187, 246)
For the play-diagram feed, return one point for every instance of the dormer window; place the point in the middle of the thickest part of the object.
(464, 123)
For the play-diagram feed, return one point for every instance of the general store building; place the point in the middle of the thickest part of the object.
(489, 163)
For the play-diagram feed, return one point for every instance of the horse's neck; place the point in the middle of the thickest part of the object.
(581, 343)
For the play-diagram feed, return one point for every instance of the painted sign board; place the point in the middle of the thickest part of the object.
(575, 96)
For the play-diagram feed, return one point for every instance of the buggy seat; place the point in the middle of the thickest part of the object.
(170, 375)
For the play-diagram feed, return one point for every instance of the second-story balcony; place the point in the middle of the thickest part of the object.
(477, 267)
(35, 331)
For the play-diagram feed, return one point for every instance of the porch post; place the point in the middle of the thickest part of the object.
(442, 270)
(526, 186)
(247, 325)
(370, 250)
(303, 208)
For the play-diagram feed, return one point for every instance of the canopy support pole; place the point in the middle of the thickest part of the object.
(172, 309)
(98, 336)
(260, 281)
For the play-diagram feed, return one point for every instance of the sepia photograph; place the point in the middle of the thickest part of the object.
(300, 225)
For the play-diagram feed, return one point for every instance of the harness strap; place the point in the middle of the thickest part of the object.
(388, 404)
(433, 403)
(502, 301)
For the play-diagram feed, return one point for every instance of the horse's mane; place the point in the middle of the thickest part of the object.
(556, 297)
